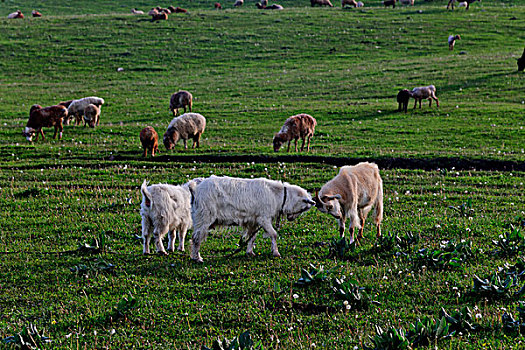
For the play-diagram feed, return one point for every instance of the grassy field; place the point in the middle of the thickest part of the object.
(248, 71)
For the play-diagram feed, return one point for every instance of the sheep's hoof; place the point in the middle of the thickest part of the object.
(198, 261)
(276, 254)
(162, 253)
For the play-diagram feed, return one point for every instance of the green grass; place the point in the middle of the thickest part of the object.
(248, 71)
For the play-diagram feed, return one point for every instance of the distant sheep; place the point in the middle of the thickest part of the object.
(188, 125)
(352, 3)
(351, 195)
(137, 11)
(91, 115)
(179, 10)
(238, 3)
(150, 141)
(218, 6)
(271, 7)
(387, 3)
(321, 3)
(181, 99)
(76, 108)
(163, 16)
(467, 3)
(360, 4)
(35, 13)
(17, 14)
(165, 208)
(298, 126)
(452, 41)
(521, 62)
(407, 2)
(153, 11)
(171, 8)
(425, 93)
(44, 117)
(403, 96)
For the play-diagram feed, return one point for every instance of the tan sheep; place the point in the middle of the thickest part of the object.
(298, 126)
(150, 141)
(91, 115)
(425, 93)
(321, 3)
(181, 99)
(352, 194)
(188, 125)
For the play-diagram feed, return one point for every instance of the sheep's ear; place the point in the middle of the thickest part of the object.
(336, 196)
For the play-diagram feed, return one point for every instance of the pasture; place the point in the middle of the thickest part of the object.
(71, 261)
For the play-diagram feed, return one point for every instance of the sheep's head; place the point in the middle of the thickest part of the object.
(278, 140)
(28, 133)
(170, 138)
(329, 205)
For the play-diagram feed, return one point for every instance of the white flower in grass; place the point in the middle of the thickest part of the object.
(295, 296)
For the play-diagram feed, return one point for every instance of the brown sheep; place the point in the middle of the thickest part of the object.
(181, 99)
(17, 14)
(35, 13)
(218, 6)
(390, 3)
(402, 99)
(150, 141)
(91, 115)
(163, 16)
(321, 3)
(44, 117)
(298, 126)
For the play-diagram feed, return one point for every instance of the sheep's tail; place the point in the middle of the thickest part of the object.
(145, 193)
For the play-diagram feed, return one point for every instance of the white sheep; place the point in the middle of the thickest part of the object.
(165, 208)
(297, 126)
(425, 93)
(91, 115)
(188, 125)
(17, 14)
(76, 108)
(136, 11)
(352, 194)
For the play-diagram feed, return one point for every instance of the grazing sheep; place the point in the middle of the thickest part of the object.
(521, 62)
(165, 208)
(180, 99)
(402, 99)
(180, 10)
(136, 11)
(76, 108)
(321, 3)
(163, 16)
(66, 103)
(218, 6)
(264, 3)
(91, 115)
(452, 41)
(188, 125)
(35, 13)
(17, 14)
(360, 4)
(407, 2)
(238, 3)
(150, 141)
(352, 194)
(153, 11)
(171, 8)
(425, 93)
(271, 7)
(249, 203)
(44, 117)
(352, 3)
(465, 4)
(298, 126)
(390, 3)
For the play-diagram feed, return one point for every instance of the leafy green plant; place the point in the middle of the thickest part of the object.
(496, 287)
(97, 245)
(450, 255)
(427, 331)
(353, 296)
(510, 244)
(464, 209)
(29, 338)
(460, 321)
(391, 339)
(512, 325)
(242, 342)
(339, 247)
(124, 307)
(99, 266)
(312, 277)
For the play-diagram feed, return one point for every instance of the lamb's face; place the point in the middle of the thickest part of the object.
(28, 133)
(329, 205)
(170, 139)
(300, 202)
(277, 143)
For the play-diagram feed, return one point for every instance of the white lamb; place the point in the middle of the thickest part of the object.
(77, 107)
(165, 208)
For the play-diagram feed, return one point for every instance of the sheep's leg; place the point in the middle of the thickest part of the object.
(185, 143)
(251, 234)
(342, 227)
(199, 235)
(42, 133)
(182, 238)
(198, 139)
(289, 146)
(420, 100)
(171, 241)
(308, 147)
(437, 101)
(146, 234)
(145, 153)
(429, 102)
(302, 146)
(362, 217)
(158, 234)
(295, 140)
(266, 224)
(415, 103)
